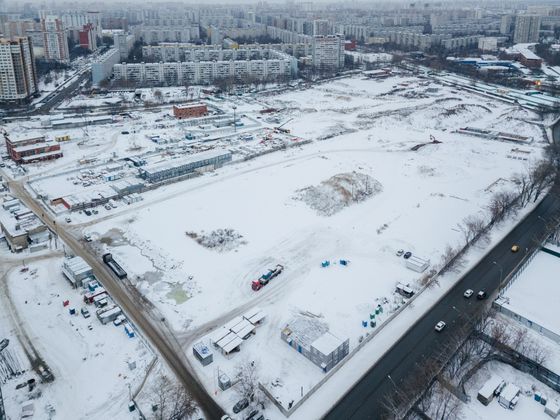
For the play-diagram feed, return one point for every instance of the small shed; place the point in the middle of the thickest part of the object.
(229, 343)
(552, 409)
(203, 353)
(224, 382)
(417, 264)
(488, 390)
(509, 396)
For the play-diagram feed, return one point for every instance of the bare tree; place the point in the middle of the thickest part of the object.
(170, 401)
(501, 204)
(158, 96)
(471, 228)
(247, 379)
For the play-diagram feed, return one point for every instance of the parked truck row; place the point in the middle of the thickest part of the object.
(267, 277)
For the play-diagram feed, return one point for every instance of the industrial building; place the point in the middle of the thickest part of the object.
(18, 76)
(192, 110)
(313, 339)
(29, 149)
(21, 227)
(237, 65)
(174, 168)
(77, 271)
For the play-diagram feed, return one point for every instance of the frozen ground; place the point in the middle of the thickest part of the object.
(418, 209)
(88, 365)
(527, 407)
(368, 127)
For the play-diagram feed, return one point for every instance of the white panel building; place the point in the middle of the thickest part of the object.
(328, 52)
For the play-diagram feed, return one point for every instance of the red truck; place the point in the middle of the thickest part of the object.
(266, 277)
(90, 296)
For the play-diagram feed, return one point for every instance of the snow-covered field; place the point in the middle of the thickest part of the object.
(90, 366)
(370, 128)
(358, 192)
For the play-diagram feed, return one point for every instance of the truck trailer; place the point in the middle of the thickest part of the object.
(114, 266)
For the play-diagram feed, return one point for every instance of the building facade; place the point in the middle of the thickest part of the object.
(190, 110)
(526, 29)
(18, 76)
(31, 149)
(55, 39)
(328, 52)
(236, 65)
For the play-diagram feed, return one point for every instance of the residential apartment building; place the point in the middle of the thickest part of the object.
(328, 52)
(526, 29)
(55, 39)
(18, 76)
(155, 34)
(237, 65)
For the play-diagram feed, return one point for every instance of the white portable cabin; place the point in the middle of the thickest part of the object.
(509, 396)
(417, 264)
(552, 409)
(489, 389)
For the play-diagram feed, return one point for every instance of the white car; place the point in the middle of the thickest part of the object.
(468, 293)
(440, 326)
(400, 252)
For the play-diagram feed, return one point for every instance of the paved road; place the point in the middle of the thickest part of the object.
(139, 310)
(364, 400)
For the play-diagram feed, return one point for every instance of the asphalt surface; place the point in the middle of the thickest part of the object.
(365, 399)
(141, 312)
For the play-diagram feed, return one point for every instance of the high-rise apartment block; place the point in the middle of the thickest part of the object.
(55, 39)
(526, 29)
(18, 76)
(328, 52)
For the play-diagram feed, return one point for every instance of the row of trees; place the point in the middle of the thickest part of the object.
(437, 385)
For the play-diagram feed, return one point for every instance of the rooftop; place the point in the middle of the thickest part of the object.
(534, 295)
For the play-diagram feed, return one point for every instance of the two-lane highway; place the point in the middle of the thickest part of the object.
(365, 399)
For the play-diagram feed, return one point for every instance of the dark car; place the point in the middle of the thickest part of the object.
(481, 295)
(407, 255)
(241, 405)
(252, 415)
(125, 132)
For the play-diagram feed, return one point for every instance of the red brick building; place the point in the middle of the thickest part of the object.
(190, 110)
(31, 149)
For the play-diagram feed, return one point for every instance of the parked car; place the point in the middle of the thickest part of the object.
(119, 320)
(400, 252)
(85, 312)
(108, 207)
(468, 293)
(68, 220)
(515, 248)
(407, 255)
(87, 237)
(481, 295)
(440, 326)
(125, 132)
(241, 405)
(252, 415)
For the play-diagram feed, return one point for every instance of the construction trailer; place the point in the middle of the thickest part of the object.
(490, 389)
(203, 354)
(509, 396)
(417, 264)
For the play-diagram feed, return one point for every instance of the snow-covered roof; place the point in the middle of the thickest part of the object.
(177, 163)
(509, 392)
(327, 343)
(490, 386)
(534, 295)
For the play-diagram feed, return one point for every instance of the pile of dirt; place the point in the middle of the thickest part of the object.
(338, 192)
(219, 240)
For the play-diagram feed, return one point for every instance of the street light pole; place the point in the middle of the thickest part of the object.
(234, 123)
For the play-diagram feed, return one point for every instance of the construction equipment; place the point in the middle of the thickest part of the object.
(266, 277)
(279, 129)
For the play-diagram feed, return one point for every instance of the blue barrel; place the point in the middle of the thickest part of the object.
(364, 324)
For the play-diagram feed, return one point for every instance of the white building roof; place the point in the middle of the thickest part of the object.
(509, 392)
(327, 343)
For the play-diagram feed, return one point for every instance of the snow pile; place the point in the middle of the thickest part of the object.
(338, 192)
(220, 239)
